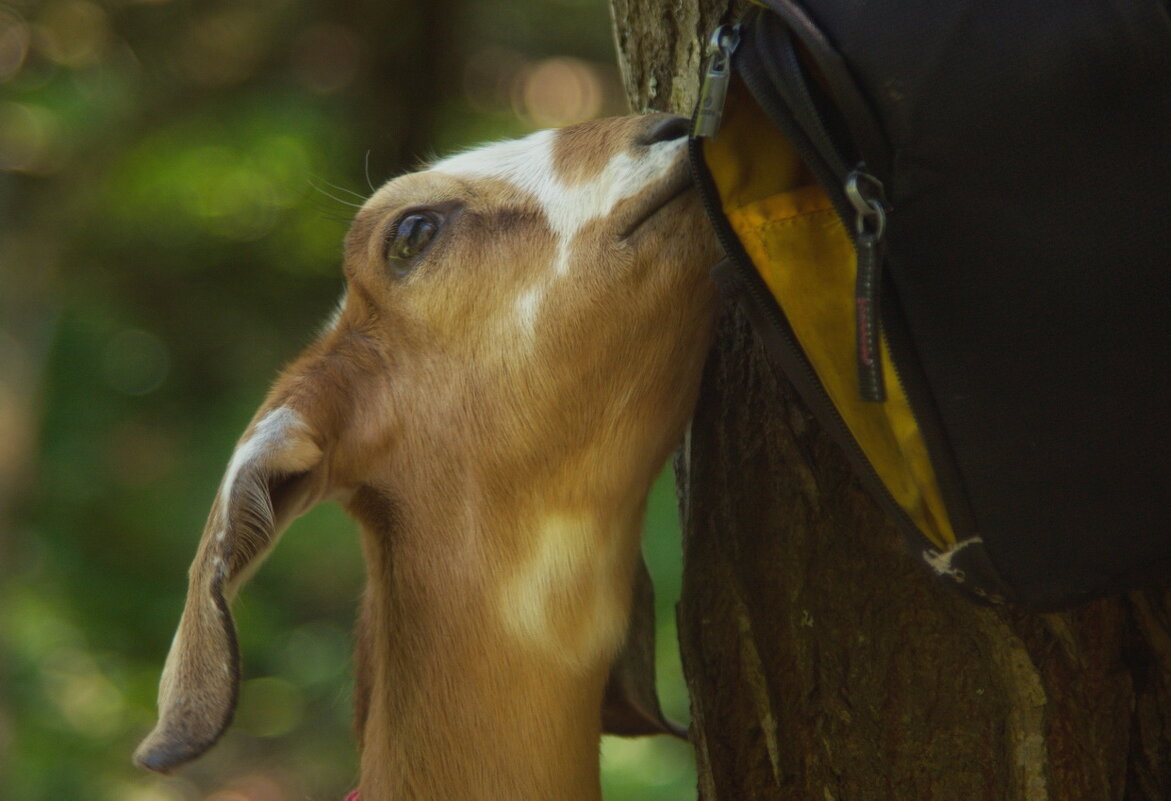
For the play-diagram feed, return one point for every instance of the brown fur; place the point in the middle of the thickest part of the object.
(486, 470)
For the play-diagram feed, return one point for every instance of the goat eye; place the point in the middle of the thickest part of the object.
(411, 237)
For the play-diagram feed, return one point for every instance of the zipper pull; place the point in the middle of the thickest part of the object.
(867, 196)
(714, 89)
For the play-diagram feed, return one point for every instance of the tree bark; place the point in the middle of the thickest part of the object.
(823, 662)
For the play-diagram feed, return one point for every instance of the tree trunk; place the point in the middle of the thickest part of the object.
(823, 662)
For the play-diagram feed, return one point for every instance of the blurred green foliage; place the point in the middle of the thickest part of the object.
(175, 180)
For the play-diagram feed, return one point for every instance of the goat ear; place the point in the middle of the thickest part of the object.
(268, 483)
(630, 706)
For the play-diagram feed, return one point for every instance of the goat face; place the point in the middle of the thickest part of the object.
(518, 349)
(551, 294)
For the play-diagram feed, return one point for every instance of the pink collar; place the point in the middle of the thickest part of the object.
(353, 796)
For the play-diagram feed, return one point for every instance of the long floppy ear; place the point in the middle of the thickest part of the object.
(630, 706)
(268, 483)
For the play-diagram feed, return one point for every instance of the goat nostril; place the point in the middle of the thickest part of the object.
(666, 129)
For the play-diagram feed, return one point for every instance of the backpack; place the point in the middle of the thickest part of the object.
(950, 224)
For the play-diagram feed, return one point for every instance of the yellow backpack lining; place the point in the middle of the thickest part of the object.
(795, 239)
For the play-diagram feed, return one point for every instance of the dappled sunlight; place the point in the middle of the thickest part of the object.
(224, 46)
(15, 38)
(559, 91)
(73, 33)
(86, 699)
(29, 138)
(545, 93)
(176, 181)
(240, 188)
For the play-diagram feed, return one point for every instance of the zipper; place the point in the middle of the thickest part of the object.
(861, 189)
(857, 196)
(865, 194)
(870, 227)
(774, 332)
(790, 80)
(778, 337)
(857, 116)
(713, 91)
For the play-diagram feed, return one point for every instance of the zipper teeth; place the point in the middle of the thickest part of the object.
(834, 186)
(795, 77)
(831, 181)
(707, 192)
(763, 76)
(758, 294)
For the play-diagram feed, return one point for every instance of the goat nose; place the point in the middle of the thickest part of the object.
(665, 129)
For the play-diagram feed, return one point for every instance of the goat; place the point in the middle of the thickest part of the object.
(518, 350)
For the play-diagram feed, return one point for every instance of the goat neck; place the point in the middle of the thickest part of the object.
(518, 350)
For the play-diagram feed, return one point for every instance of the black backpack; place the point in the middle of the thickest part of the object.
(950, 222)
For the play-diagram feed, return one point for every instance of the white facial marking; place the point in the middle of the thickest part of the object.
(528, 165)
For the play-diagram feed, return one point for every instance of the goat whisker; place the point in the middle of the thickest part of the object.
(342, 200)
(369, 183)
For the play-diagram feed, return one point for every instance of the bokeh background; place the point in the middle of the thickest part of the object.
(175, 180)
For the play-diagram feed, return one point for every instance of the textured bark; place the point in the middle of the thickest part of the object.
(823, 661)
(661, 47)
